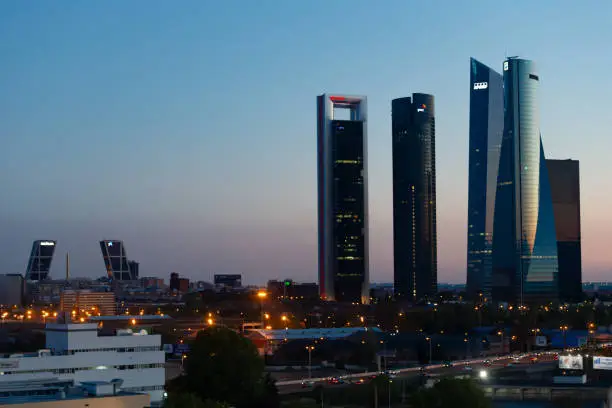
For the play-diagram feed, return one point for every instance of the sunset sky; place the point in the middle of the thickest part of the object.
(187, 128)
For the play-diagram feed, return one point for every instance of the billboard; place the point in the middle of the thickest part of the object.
(571, 362)
(602, 363)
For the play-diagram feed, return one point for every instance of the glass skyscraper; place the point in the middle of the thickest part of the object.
(486, 129)
(414, 197)
(343, 199)
(115, 260)
(565, 187)
(39, 263)
(524, 252)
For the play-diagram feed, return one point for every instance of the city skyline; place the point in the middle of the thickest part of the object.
(154, 124)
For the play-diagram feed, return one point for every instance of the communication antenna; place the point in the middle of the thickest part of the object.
(67, 266)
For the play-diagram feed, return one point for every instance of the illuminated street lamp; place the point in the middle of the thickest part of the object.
(564, 329)
(429, 341)
(309, 349)
(262, 296)
(501, 334)
(210, 321)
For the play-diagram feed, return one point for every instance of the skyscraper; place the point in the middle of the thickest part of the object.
(524, 239)
(115, 260)
(486, 130)
(565, 187)
(39, 263)
(343, 199)
(414, 197)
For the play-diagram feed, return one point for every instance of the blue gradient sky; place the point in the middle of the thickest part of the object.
(187, 128)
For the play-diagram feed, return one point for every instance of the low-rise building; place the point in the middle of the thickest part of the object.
(267, 341)
(11, 290)
(54, 393)
(75, 352)
(97, 303)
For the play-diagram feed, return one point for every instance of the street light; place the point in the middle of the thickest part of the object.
(309, 348)
(564, 329)
(501, 334)
(429, 341)
(467, 347)
(262, 296)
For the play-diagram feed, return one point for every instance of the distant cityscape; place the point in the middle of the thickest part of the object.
(524, 303)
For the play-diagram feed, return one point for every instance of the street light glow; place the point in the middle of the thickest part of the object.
(261, 294)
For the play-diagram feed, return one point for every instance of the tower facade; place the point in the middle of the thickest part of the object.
(342, 199)
(565, 187)
(414, 197)
(40, 259)
(486, 130)
(525, 266)
(115, 260)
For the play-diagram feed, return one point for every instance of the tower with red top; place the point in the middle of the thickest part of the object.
(342, 198)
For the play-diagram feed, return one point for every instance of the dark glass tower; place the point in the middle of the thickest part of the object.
(414, 197)
(565, 187)
(525, 263)
(115, 260)
(39, 263)
(343, 199)
(486, 130)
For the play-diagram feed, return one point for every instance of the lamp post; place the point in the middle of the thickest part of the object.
(467, 347)
(501, 334)
(262, 296)
(564, 329)
(309, 348)
(429, 341)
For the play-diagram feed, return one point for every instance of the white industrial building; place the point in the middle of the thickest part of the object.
(76, 352)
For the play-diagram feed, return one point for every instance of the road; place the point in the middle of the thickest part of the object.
(468, 367)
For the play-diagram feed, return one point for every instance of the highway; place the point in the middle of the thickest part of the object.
(465, 367)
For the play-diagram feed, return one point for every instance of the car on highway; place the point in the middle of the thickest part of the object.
(467, 368)
(335, 380)
(307, 384)
(487, 363)
(447, 364)
(391, 373)
(358, 381)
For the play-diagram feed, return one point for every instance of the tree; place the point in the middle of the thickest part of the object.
(224, 366)
(451, 393)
